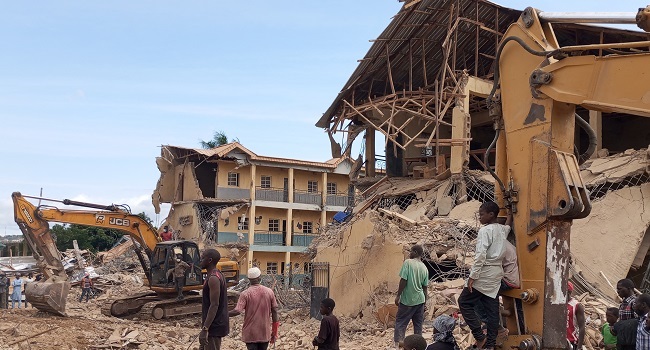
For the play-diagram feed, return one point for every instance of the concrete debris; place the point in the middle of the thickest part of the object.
(614, 168)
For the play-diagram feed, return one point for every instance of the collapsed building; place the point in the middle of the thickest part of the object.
(265, 210)
(422, 86)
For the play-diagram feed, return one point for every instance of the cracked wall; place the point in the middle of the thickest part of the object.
(608, 240)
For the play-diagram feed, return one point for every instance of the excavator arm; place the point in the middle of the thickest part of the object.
(537, 87)
(34, 224)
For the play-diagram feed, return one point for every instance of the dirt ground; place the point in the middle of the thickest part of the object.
(87, 328)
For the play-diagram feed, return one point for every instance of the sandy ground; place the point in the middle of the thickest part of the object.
(87, 328)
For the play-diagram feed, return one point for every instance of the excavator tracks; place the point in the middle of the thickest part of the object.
(128, 305)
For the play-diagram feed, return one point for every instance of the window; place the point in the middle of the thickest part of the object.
(307, 267)
(307, 227)
(233, 179)
(271, 268)
(274, 225)
(242, 225)
(266, 182)
(312, 186)
(331, 188)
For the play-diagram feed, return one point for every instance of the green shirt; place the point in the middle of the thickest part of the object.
(416, 276)
(608, 337)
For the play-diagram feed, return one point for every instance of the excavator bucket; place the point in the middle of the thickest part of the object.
(48, 296)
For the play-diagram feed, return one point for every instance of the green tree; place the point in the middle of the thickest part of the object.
(218, 139)
(146, 218)
(91, 238)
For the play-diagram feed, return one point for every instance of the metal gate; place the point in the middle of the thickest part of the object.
(320, 286)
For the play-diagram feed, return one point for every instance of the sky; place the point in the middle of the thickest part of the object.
(90, 90)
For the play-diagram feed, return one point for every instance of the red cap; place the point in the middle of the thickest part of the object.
(570, 286)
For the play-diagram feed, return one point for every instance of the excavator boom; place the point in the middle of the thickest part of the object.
(538, 85)
(157, 259)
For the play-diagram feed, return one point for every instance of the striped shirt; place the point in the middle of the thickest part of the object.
(642, 335)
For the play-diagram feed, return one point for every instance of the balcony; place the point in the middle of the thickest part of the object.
(302, 239)
(268, 238)
(339, 200)
(271, 194)
(301, 196)
(233, 193)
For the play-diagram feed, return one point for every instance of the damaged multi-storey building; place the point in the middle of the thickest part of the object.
(421, 89)
(267, 210)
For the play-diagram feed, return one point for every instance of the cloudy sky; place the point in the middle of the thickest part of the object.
(90, 90)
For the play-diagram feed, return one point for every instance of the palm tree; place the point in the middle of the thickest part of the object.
(218, 139)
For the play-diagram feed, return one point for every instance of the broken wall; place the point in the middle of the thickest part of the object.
(608, 239)
(360, 264)
(183, 220)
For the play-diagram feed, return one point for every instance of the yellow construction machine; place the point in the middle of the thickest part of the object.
(537, 86)
(155, 256)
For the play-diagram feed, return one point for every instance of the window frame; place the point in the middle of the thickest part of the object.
(243, 226)
(276, 225)
(262, 181)
(236, 179)
(307, 227)
(331, 188)
(312, 186)
(270, 266)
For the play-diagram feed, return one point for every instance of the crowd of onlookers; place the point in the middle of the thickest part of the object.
(17, 287)
(495, 270)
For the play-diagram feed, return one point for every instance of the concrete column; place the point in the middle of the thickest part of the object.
(289, 226)
(370, 152)
(290, 185)
(460, 128)
(251, 218)
(596, 123)
(323, 212)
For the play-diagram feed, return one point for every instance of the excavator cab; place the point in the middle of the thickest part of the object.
(164, 261)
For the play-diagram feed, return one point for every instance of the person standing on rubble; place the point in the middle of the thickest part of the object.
(16, 295)
(412, 295)
(4, 290)
(28, 279)
(259, 306)
(482, 286)
(642, 309)
(625, 329)
(214, 316)
(166, 235)
(575, 333)
(86, 287)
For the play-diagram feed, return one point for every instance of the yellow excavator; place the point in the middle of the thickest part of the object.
(537, 86)
(155, 256)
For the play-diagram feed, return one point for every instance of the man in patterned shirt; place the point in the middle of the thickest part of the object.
(625, 329)
(642, 307)
(625, 290)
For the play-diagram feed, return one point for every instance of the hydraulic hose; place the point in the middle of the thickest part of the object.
(487, 165)
(593, 139)
(498, 58)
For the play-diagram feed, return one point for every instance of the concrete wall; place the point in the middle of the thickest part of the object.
(224, 167)
(353, 268)
(277, 176)
(609, 238)
(179, 211)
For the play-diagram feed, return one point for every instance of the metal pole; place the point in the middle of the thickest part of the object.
(589, 17)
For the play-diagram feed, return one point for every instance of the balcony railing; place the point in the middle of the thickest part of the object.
(269, 238)
(339, 199)
(233, 193)
(302, 239)
(301, 196)
(271, 194)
